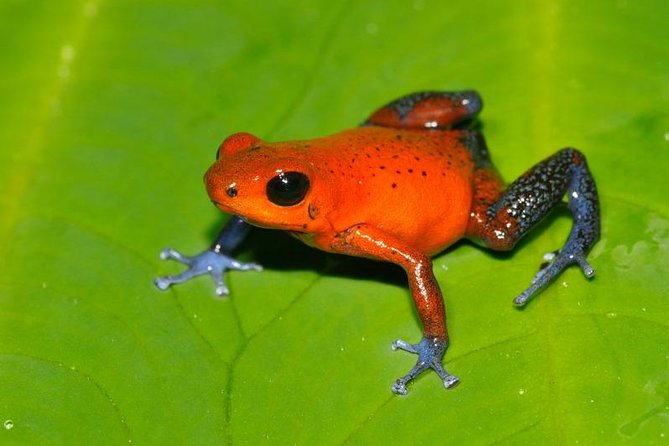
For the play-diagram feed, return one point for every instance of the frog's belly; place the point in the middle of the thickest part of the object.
(427, 216)
(430, 225)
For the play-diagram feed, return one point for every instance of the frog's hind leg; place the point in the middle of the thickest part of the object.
(499, 225)
(428, 109)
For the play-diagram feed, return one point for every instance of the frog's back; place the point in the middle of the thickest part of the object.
(414, 184)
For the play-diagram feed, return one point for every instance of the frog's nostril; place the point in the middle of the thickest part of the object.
(231, 191)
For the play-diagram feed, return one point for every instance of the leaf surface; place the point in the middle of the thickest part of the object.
(110, 113)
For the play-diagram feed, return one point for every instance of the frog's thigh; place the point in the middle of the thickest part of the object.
(528, 199)
(428, 109)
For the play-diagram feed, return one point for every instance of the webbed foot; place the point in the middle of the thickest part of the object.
(556, 262)
(430, 351)
(209, 262)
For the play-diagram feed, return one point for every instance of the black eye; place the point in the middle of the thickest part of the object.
(287, 188)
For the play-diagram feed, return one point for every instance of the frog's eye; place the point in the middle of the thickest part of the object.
(287, 188)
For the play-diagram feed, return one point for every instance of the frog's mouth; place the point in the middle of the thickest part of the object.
(225, 208)
(218, 205)
(260, 221)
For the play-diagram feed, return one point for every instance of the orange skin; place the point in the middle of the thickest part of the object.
(393, 194)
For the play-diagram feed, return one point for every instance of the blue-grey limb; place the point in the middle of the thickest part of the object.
(215, 261)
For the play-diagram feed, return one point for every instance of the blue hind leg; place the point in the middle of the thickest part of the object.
(530, 198)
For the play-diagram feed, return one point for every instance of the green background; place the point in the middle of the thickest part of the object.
(110, 112)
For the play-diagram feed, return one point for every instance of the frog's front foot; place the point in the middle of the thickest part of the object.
(209, 262)
(430, 351)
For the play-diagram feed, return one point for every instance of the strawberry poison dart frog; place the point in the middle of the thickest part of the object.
(411, 180)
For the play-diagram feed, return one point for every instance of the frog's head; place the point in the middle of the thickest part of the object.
(270, 185)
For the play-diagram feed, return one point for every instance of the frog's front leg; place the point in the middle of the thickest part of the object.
(366, 241)
(528, 199)
(214, 261)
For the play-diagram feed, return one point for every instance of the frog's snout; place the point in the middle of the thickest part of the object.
(219, 188)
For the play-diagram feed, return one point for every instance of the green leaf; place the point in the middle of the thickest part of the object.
(111, 111)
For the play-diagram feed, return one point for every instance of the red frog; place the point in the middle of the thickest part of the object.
(413, 179)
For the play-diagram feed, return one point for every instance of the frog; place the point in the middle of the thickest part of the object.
(408, 182)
